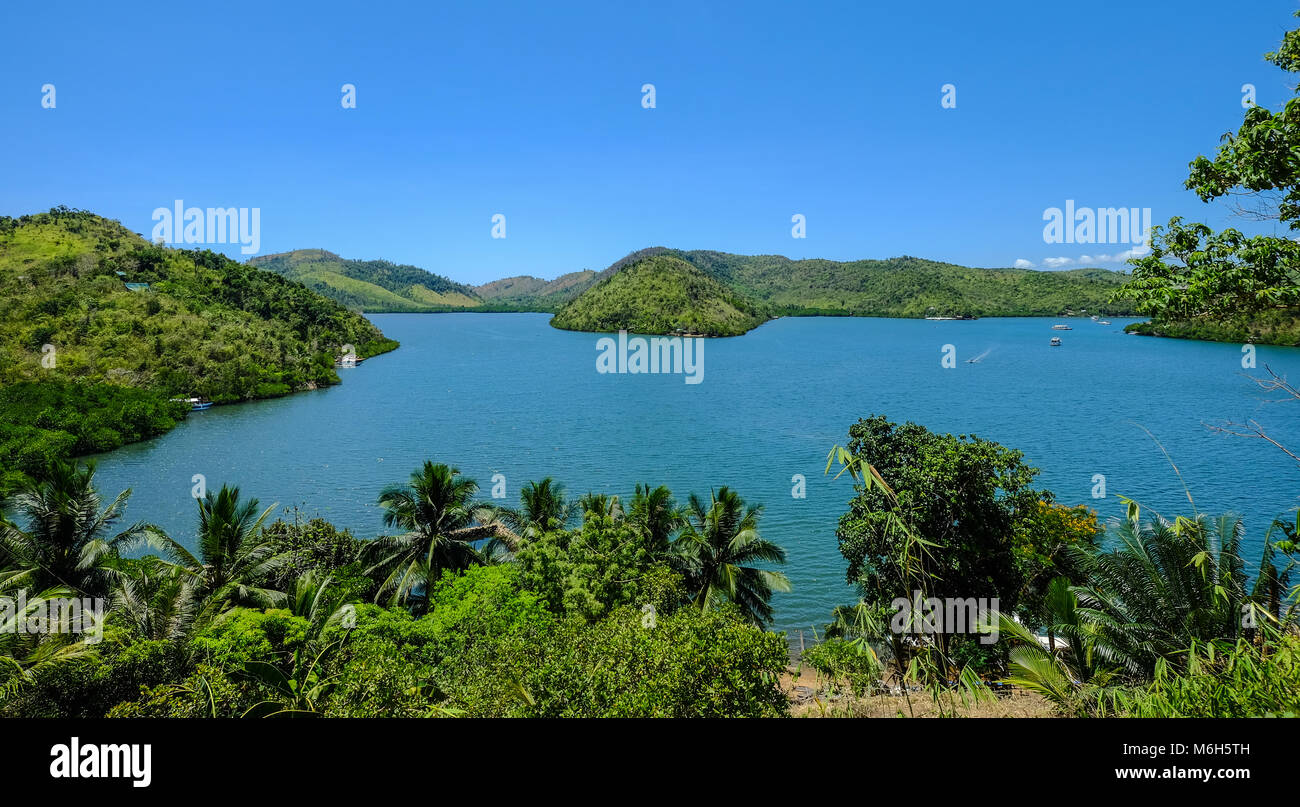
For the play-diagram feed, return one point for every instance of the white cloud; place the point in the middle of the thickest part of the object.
(1057, 263)
(1021, 263)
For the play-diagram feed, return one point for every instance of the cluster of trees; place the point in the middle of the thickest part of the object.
(467, 609)
(86, 364)
(1137, 620)
(1227, 286)
(42, 421)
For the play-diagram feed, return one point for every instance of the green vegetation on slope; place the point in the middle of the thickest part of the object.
(660, 294)
(909, 287)
(1265, 328)
(370, 286)
(87, 364)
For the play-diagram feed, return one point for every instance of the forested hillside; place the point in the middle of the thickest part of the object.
(88, 363)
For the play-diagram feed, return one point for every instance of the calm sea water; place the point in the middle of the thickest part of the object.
(507, 394)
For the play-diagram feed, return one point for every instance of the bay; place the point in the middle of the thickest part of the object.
(507, 394)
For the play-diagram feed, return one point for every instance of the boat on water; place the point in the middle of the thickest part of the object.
(1094, 317)
(1056, 341)
(1104, 322)
(196, 404)
(1062, 328)
(348, 361)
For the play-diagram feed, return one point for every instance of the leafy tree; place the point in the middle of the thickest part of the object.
(962, 499)
(588, 572)
(1193, 272)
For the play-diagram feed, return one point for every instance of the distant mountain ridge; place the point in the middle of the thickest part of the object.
(749, 286)
(371, 286)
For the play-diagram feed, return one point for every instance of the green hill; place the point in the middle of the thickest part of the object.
(908, 286)
(660, 294)
(529, 293)
(370, 286)
(87, 364)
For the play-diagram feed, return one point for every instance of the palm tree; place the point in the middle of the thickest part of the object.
(26, 656)
(1164, 586)
(543, 508)
(656, 515)
(70, 540)
(234, 559)
(714, 551)
(602, 506)
(316, 598)
(155, 598)
(441, 523)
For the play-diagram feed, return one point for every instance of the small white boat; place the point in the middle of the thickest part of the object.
(1094, 317)
(347, 361)
(1056, 341)
(1104, 322)
(1062, 328)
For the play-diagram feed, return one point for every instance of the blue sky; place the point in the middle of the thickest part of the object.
(532, 110)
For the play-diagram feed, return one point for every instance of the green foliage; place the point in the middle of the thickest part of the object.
(1194, 273)
(67, 537)
(590, 571)
(1221, 680)
(247, 634)
(842, 661)
(526, 293)
(441, 524)
(686, 664)
(94, 683)
(964, 497)
(316, 547)
(584, 622)
(44, 421)
(1199, 284)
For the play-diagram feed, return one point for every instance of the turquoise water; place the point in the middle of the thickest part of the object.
(506, 393)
